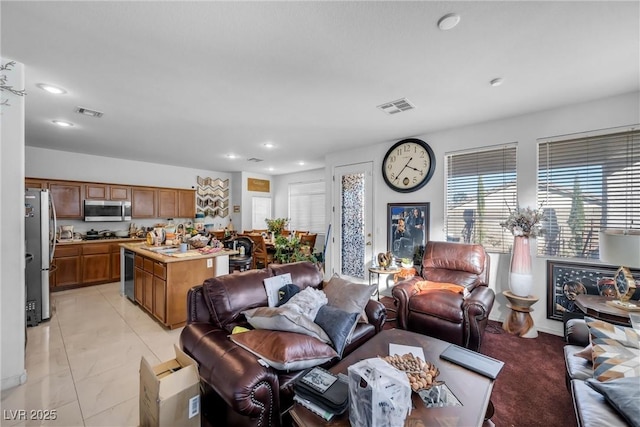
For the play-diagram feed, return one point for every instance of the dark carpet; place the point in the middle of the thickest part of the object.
(530, 390)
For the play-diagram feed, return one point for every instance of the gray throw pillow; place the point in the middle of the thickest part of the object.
(338, 324)
(623, 394)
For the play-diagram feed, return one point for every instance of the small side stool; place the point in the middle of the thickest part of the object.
(519, 321)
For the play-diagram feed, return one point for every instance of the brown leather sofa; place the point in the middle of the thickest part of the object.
(236, 389)
(444, 313)
(591, 407)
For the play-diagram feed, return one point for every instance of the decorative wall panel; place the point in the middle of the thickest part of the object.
(353, 212)
(212, 197)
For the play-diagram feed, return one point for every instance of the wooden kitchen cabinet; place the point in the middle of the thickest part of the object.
(67, 198)
(147, 293)
(138, 279)
(96, 191)
(67, 263)
(159, 298)
(35, 183)
(115, 262)
(96, 263)
(186, 204)
(119, 192)
(143, 202)
(167, 203)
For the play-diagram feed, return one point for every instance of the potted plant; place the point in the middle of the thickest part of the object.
(276, 225)
(291, 250)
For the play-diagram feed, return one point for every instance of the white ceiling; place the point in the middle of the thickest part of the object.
(187, 83)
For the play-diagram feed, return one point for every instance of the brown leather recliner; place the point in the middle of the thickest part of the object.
(433, 310)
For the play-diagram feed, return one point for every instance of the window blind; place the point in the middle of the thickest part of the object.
(481, 186)
(307, 206)
(586, 184)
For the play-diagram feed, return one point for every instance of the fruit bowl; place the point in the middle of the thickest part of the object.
(198, 242)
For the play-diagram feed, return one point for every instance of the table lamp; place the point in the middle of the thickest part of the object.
(621, 247)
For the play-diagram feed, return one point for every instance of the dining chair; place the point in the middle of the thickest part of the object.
(261, 257)
(309, 239)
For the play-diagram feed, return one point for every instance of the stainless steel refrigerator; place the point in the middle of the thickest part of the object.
(40, 242)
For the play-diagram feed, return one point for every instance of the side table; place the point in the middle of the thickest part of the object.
(378, 271)
(519, 321)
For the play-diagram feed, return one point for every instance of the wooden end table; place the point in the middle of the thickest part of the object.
(472, 390)
(519, 321)
(596, 306)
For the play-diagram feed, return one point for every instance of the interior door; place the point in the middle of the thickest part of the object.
(353, 219)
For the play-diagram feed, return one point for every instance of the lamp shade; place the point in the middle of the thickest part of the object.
(620, 247)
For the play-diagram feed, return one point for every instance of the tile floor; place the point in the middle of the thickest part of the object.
(84, 362)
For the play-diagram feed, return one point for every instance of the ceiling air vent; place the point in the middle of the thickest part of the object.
(397, 106)
(88, 112)
(253, 159)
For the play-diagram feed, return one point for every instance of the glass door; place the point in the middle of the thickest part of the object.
(353, 207)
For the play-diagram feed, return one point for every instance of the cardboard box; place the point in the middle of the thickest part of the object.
(170, 392)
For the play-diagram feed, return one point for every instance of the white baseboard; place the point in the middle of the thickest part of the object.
(14, 381)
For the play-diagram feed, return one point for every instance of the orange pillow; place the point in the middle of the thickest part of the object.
(427, 285)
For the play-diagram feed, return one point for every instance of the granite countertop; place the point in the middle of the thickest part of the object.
(109, 240)
(151, 252)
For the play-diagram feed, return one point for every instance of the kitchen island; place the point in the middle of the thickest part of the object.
(162, 278)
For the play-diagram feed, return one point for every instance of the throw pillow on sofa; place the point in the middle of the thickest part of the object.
(615, 350)
(338, 324)
(347, 296)
(623, 394)
(284, 318)
(285, 350)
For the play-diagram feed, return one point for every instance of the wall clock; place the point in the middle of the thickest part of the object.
(408, 165)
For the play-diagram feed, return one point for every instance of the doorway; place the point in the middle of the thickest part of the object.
(353, 219)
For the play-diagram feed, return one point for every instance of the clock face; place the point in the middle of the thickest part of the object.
(408, 165)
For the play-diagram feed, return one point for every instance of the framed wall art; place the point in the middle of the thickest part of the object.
(407, 230)
(566, 280)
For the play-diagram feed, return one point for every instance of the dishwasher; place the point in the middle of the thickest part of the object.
(129, 262)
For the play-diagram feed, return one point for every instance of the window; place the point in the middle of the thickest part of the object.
(307, 206)
(586, 183)
(481, 186)
(261, 210)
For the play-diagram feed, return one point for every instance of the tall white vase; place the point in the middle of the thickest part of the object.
(520, 277)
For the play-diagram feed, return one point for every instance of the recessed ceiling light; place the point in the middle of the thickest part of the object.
(62, 123)
(301, 163)
(448, 21)
(231, 156)
(51, 89)
(496, 82)
(268, 145)
(271, 169)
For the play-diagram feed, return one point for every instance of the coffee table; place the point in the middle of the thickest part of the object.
(472, 390)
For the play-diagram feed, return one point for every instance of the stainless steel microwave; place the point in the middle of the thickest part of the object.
(99, 210)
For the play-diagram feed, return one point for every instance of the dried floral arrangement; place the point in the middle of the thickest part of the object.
(524, 222)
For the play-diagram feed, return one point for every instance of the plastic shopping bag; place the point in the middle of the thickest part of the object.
(379, 394)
